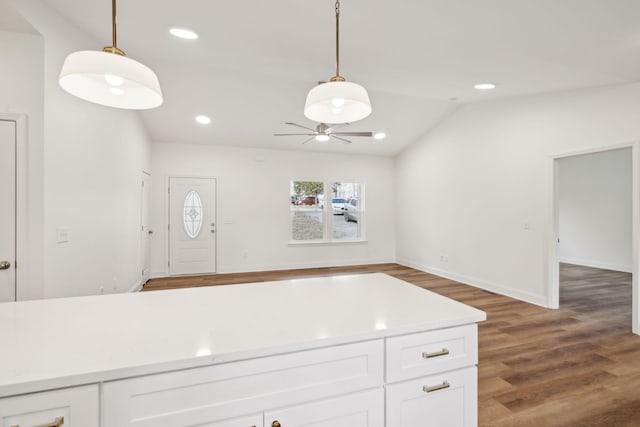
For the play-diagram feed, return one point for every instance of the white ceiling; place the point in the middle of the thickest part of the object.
(256, 60)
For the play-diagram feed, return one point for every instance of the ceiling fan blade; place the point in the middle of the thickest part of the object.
(294, 134)
(353, 133)
(300, 126)
(346, 141)
(308, 140)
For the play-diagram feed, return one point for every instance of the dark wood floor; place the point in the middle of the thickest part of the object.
(576, 366)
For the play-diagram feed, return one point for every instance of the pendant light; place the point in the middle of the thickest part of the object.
(110, 78)
(337, 101)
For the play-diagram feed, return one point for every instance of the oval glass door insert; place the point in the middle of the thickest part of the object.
(193, 212)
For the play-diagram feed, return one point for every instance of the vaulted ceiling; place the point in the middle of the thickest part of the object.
(255, 61)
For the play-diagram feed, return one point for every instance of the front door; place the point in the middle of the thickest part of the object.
(192, 225)
(8, 211)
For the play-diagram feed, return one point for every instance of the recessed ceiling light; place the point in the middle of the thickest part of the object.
(485, 86)
(380, 135)
(203, 120)
(183, 33)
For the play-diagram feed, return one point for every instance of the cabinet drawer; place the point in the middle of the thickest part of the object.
(415, 355)
(355, 410)
(212, 393)
(442, 400)
(77, 406)
(251, 421)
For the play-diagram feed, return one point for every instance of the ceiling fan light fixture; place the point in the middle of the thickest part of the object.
(109, 78)
(337, 102)
(322, 137)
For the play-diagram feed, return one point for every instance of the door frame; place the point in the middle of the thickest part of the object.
(553, 261)
(167, 218)
(144, 175)
(22, 219)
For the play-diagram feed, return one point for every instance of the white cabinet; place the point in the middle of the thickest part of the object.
(443, 400)
(426, 353)
(354, 410)
(208, 394)
(70, 407)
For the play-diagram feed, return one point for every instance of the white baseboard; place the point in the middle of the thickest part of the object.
(302, 265)
(596, 264)
(540, 300)
(135, 288)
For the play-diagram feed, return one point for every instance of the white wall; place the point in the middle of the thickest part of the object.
(595, 209)
(254, 202)
(478, 188)
(22, 92)
(93, 157)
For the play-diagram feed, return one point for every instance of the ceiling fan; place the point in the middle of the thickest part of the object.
(324, 132)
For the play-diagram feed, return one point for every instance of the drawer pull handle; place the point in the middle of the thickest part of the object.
(57, 423)
(442, 352)
(427, 389)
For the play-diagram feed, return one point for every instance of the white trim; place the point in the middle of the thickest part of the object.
(22, 211)
(302, 266)
(596, 264)
(553, 258)
(507, 291)
(135, 288)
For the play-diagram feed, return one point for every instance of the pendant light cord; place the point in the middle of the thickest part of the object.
(114, 23)
(114, 32)
(337, 38)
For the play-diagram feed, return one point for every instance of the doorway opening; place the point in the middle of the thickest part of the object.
(595, 250)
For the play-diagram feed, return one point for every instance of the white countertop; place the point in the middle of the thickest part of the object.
(55, 343)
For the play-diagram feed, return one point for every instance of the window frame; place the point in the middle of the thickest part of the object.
(328, 217)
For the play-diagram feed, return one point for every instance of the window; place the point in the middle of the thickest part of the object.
(192, 217)
(315, 218)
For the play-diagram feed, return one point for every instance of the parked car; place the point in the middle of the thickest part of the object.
(351, 210)
(338, 206)
(309, 200)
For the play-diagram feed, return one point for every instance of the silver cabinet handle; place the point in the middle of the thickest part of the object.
(442, 352)
(429, 389)
(5, 265)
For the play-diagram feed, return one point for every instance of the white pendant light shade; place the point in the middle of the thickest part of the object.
(337, 102)
(110, 79)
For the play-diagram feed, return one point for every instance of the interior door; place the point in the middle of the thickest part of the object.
(192, 225)
(8, 211)
(145, 228)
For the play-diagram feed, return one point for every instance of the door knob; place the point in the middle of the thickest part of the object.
(5, 265)
(275, 424)
(150, 232)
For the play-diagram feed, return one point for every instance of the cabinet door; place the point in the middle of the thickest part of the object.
(444, 400)
(354, 410)
(70, 407)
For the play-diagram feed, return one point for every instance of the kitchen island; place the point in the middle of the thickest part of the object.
(354, 351)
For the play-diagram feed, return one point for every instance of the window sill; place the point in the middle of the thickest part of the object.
(327, 242)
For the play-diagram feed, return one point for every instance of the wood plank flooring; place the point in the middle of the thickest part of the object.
(576, 366)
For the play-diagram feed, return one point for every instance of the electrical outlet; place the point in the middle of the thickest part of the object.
(101, 290)
(245, 254)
